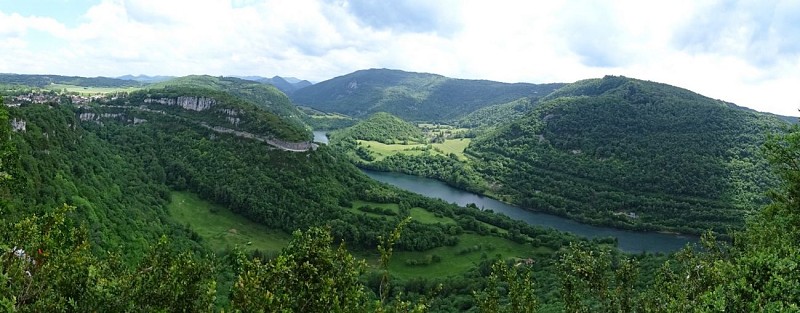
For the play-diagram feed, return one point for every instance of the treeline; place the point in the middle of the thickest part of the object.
(42, 81)
(447, 169)
(489, 117)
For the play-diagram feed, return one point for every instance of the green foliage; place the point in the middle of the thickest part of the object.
(382, 127)
(47, 266)
(757, 272)
(42, 81)
(250, 116)
(264, 96)
(447, 169)
(308, 276)
(6, 156)
(601, 148)
(411, 96)
(222, 229)
(118, 192)
(516, 282)
(489, 117)
(325, 121)
(592, 281)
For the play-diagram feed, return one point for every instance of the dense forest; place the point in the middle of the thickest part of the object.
(381, 127)
(600, 149)
(486, 118)
(411, 96)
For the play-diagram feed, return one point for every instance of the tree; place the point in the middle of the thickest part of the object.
(516, 282)
(310, 275)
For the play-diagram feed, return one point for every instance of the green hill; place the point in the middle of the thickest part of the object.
(117, 164)
(265, 96)
(382, 127)
(411, 96)
(215, 108)
(602, 150)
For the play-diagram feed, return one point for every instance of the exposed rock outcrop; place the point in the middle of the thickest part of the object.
(87, 116)
(18, 125)
(187, 103)
(280, 144)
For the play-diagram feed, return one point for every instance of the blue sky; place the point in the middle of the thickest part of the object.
(746, 52)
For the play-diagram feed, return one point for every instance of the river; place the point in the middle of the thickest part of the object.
(628, 241)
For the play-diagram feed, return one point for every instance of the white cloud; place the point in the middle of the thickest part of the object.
(743, 52)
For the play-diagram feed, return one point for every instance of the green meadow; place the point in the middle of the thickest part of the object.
(91, 90)
(221, 228)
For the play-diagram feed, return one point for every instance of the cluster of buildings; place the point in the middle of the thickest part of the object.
(41, 97)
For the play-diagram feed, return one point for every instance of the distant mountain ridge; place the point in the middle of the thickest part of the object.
(146, 79)
(412, 96)
(286, 84)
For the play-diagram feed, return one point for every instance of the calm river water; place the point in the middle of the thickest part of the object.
(629, 241)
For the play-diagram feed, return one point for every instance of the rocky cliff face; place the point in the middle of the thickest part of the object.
(232, 116)
(187, 103)
(88, 116)
(18, 125)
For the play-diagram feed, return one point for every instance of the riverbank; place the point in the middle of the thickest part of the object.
(628, 240)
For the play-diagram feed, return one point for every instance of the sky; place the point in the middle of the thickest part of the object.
(745, 52)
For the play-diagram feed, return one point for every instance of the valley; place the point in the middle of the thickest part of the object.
(580, 169)
(217, 183)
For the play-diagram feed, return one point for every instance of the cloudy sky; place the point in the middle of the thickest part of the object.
(747, 52)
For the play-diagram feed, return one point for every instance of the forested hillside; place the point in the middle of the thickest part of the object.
(214, 107)
(496, 115)
(262, 95)
(412, 96)
(382, 127)
(635, 153)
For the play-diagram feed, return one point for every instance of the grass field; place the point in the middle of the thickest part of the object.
(471, 250)
(417, 214)
(221, 228)
(382, 150)
(90, 90)
(455, 146)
